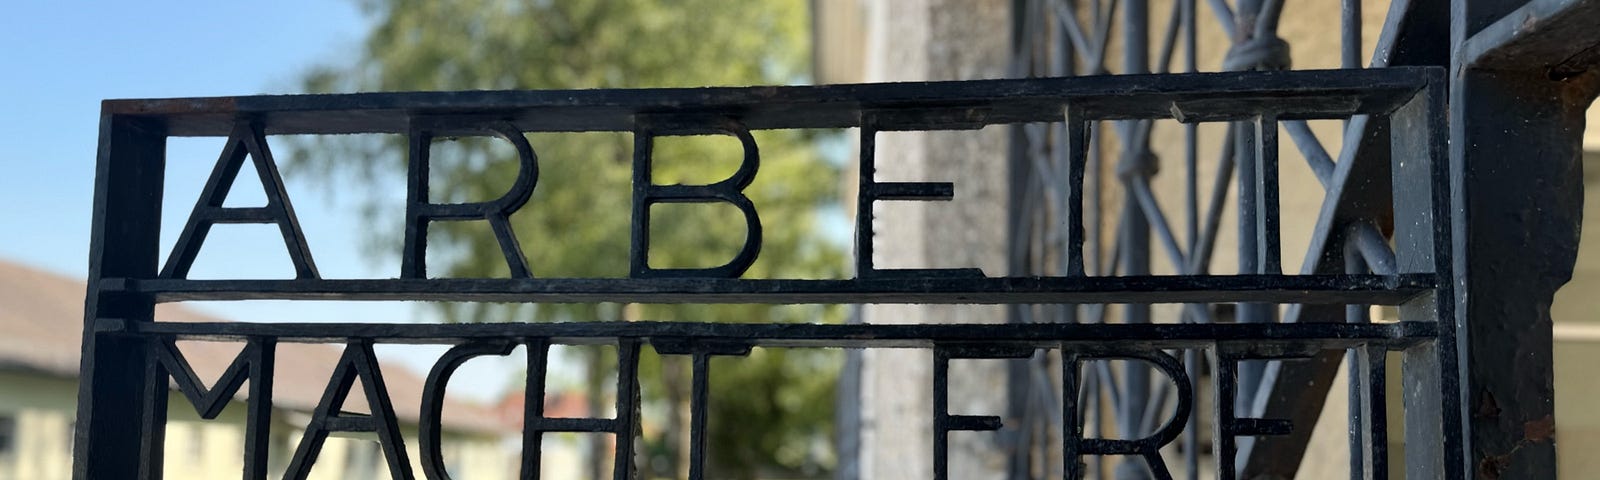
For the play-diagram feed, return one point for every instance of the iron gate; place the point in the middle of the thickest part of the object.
(129, 356)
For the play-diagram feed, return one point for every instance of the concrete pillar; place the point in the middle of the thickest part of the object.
(936, 40)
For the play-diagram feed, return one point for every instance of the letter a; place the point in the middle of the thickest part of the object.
(358, 362)
(247, 140)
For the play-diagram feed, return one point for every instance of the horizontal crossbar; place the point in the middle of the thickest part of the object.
(1307, 94)
(1110, 337)
(1312, 289)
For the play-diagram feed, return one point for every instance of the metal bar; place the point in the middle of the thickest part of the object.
(258, 414)
(124, 243)
(909, 105)
(1379, 257)
(1520, 66)
(867, 165)
(153, 420)
(1310, 148)
(1191, 428)
(1191, 133)
(1093, 168)
(1269, 251)
(1088, 395)
(414, 249)
(1077, 148)
(1103, 25)
(1429, 206)
(1309, 289)
(1068, 18)
(1169, 40)
(1071, 421)
(1253, 245)
(1350, 34)
(699, 406)
(628, 408)
(1552, 35)
(1224, 16)
(1357, 400)
(1225, 404)
(1046, 397)
(1136, 159)
(1153, 336)
(1249, 209)
(533, 393)
(1191, 185)
(1028, 20)
(1375, 447)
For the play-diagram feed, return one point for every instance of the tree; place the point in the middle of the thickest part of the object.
(576, 224)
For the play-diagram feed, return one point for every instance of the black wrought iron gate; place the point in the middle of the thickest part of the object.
(129, 357)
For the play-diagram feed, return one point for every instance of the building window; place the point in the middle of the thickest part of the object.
(8, 435)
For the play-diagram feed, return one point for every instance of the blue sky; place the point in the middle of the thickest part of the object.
(61, 58)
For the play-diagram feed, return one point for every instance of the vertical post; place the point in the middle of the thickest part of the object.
(1269, 251)
(1356, 399)
(628, 404)
(1247, 15)
(1371, 366)
(1424, 193)
(258, 416)
(1518, 159)
(112, 390)
(941, 410)
(1224, 405)
(1071, 424)
(1019, 380)
(414, 256)
(1250, 211)
(1136, 239)
(867, 171)
(1077, 146)
(1191, 158)
(154, 419)
(1350, 35)
(1523, 74)
(533, 393)
(699, 406)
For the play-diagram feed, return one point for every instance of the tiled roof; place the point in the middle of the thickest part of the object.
(41, 328)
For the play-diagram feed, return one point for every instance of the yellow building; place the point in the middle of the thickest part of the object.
(41, 318)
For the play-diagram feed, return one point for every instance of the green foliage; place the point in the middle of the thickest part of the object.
(788, 392)
(577, 222)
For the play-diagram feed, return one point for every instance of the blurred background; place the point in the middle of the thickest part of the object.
(778, 413)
